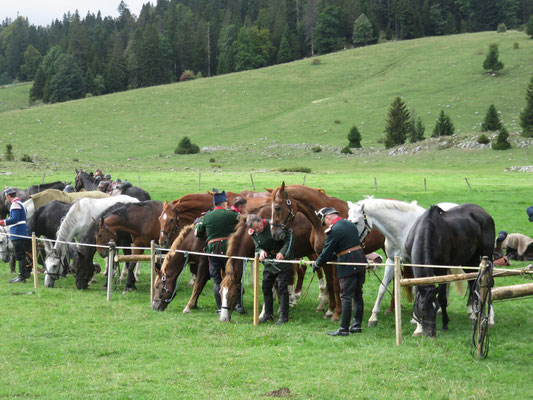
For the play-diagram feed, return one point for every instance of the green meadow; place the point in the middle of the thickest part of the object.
(62, 343)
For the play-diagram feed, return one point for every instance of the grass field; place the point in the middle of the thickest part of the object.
(14, 97)
(65, 344)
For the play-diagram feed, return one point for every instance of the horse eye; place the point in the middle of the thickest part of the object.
(277, 208)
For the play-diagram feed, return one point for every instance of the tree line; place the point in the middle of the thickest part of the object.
(175, 40)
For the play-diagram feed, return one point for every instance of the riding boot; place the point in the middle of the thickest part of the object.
(21, 278)
(346, 315)
(284, 306)
(357, 317)
(218, 299)
(269, 308)
(13, 264)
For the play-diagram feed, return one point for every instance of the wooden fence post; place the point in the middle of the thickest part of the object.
(303, 183)
(110, 265)
(425, 185)
(256, 289)
(152, 269)
(469, 187)
(199, 179)
(252, 179)
(35, 257)
(483, 294)
(138, 181)
(397, 299)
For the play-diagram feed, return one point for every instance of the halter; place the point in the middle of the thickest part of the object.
(173, 232)
(56, 275)
(291, 214)
(164, 288)
(367, 228)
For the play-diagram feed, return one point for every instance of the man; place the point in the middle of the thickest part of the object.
(271, 252)
(216, 226)
(530, 213)
(17, 224)
(342, 242)
(239, 204)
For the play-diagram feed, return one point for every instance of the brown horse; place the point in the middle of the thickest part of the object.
(288, 200)
(165, 283)
(140, 220)
(240, 244)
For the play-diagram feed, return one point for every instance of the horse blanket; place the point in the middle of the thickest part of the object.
(49, 195)
(520, 243)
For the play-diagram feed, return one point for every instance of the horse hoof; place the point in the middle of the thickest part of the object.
(444, 329)
(415, 334)
(335, 317)
(372, 323)
(413, 321)
(186, 310)
(320, 309)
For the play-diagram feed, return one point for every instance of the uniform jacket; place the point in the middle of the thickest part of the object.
(217, 223)
(265, 241)
(342, 235)
(17, 220)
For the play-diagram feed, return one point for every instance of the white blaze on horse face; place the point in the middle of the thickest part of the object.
(164, 216)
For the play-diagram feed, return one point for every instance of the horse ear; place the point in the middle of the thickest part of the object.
(91, 173)
(77, 172)
(95, 220)
(269, 190)
(165, 203)
(283, 185)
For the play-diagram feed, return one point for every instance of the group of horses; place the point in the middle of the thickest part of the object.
(445, 234)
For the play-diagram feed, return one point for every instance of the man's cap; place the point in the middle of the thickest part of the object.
(501, 236)
(530, 213)
(325, 211)
(10, 191)
(219, 197)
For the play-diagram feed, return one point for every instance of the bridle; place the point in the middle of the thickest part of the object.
(164, 288)
(367, 228)
(290, 216)
(61, 262)
(173, 232)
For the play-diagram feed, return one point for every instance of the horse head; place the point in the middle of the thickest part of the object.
(169, 221)
(425, 309)
(163, 287)
(4, 245)
(357, 215)
(104, 235)
(283, 212)
(54, 267)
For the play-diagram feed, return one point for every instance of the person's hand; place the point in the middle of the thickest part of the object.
(280, 256)
(315, 266)
(262, 255)
(2, 222)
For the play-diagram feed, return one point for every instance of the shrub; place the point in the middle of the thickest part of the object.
(501, 28)
(492, 120)
(501, 141)
(516, 45)
(316, 149)
(337, 121)
(346, 150)
(76, 159)
(9, 152)
(492, 62)
(354, 138)
(187, 75)
(212, 160)
(296, 169)
(26, 158)
(483, 139)
(444, 126)
(316, 61)
(186, 147)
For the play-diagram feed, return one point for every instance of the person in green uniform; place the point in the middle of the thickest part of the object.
(271, 253)
(342, 243)
(216, 226)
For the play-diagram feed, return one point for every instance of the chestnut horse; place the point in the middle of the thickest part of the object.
(288, 200)
(140, 220)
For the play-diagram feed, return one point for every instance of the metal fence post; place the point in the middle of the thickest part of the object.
(152, 269)
(110, 265)
(35, 257)
(397, 299)
(256, 289)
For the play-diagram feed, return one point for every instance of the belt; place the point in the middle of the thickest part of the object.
(348, 250)
(18, 223)
(218, 239)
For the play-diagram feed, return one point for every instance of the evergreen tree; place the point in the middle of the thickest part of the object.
(16, 46)
(262, 45)
(408, 23)
(354, 138)
(363, 32)
(492, 62)
(285, 52)
(226, 60)
(397, 125)
(526, 116)
(451, 26)
(492, 120)
(67, 82)
(444, 126)
(327, 33)
(243, 49)
(502, 142)
(416, 128)
(150, 57)
(32, 59)
(40, 89)
(529, 27)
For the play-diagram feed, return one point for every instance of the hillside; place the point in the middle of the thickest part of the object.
(14, 97)
(270, 114)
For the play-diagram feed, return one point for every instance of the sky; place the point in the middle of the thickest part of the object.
(43, 12)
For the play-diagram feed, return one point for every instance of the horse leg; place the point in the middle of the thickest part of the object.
(130, 280)
(330, 287)
(203, 277)
(323, 298)
(387, 277)
(300, 272)
(443, 302)
(193, 266)
(290, 287)
(338, 305)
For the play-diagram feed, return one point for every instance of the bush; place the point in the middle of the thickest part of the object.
(26, 158)
(296, 169)
(187, 75)
(9, 152)
(516, 45)
(501, 28)
(346, 150)
(76, 159)
(186, 147)
(337, 121)
(212, 160)
(316, 149)
(316, 61)
(483, 139)
(501, 141)
(492, 120)
(354, 138)
(444, 126)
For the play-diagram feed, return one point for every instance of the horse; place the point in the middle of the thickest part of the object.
(240, 244)
(394, 219)
(6, 247)
(73, 226)
(140, 220)
(288, 200)
(165, 284)
(25, 194)
(460, 236)
(87, 181)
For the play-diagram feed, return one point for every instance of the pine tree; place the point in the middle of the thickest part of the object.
(397, 125)
(67, 82)
(416, 128)
(226, 60)
(363, 32)
(32, 59)
(40, 89)
(492, 62)
(16, 46)
(492, 120)
(529, 27)
(285, 52)
(354, 138)
(243, 49)
(150, 57)
(444, 126)
(501, 141)
(526, 116)
(327, 33)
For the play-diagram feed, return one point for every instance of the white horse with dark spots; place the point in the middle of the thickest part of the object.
(73, 227)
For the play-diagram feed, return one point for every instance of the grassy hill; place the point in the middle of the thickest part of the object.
(14, 97)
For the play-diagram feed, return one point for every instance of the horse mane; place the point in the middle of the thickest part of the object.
(430, 241)
(45, 186)
(90, 234)
(371, 203)
(69, 222)
(236, 237)
(181, 237)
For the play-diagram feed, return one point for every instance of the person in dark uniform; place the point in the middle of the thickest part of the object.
(342, 243)
(530, 213)
(239, 204)
(216, 226)
(17, 224)
(271, 252)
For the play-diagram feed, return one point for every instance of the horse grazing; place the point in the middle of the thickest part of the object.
(165, 284)
(25, 194)
(288, 200)
(140, 220)
(460, 236)
(394, 219)
(73, 226)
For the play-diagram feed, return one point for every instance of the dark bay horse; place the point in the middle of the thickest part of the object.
(460, 236)
(87, 181)
(140, 220)
(25, 194)
(288, 200)
(174, 263)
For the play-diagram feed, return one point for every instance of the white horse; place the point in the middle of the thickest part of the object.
(75, 224)
(394, 219)
(6, 247)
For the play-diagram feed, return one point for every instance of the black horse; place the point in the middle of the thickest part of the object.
(87, 181)
(25, 194)
(460, 236)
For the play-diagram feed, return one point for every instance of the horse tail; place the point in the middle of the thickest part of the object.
(407, 290)
(460, 286)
